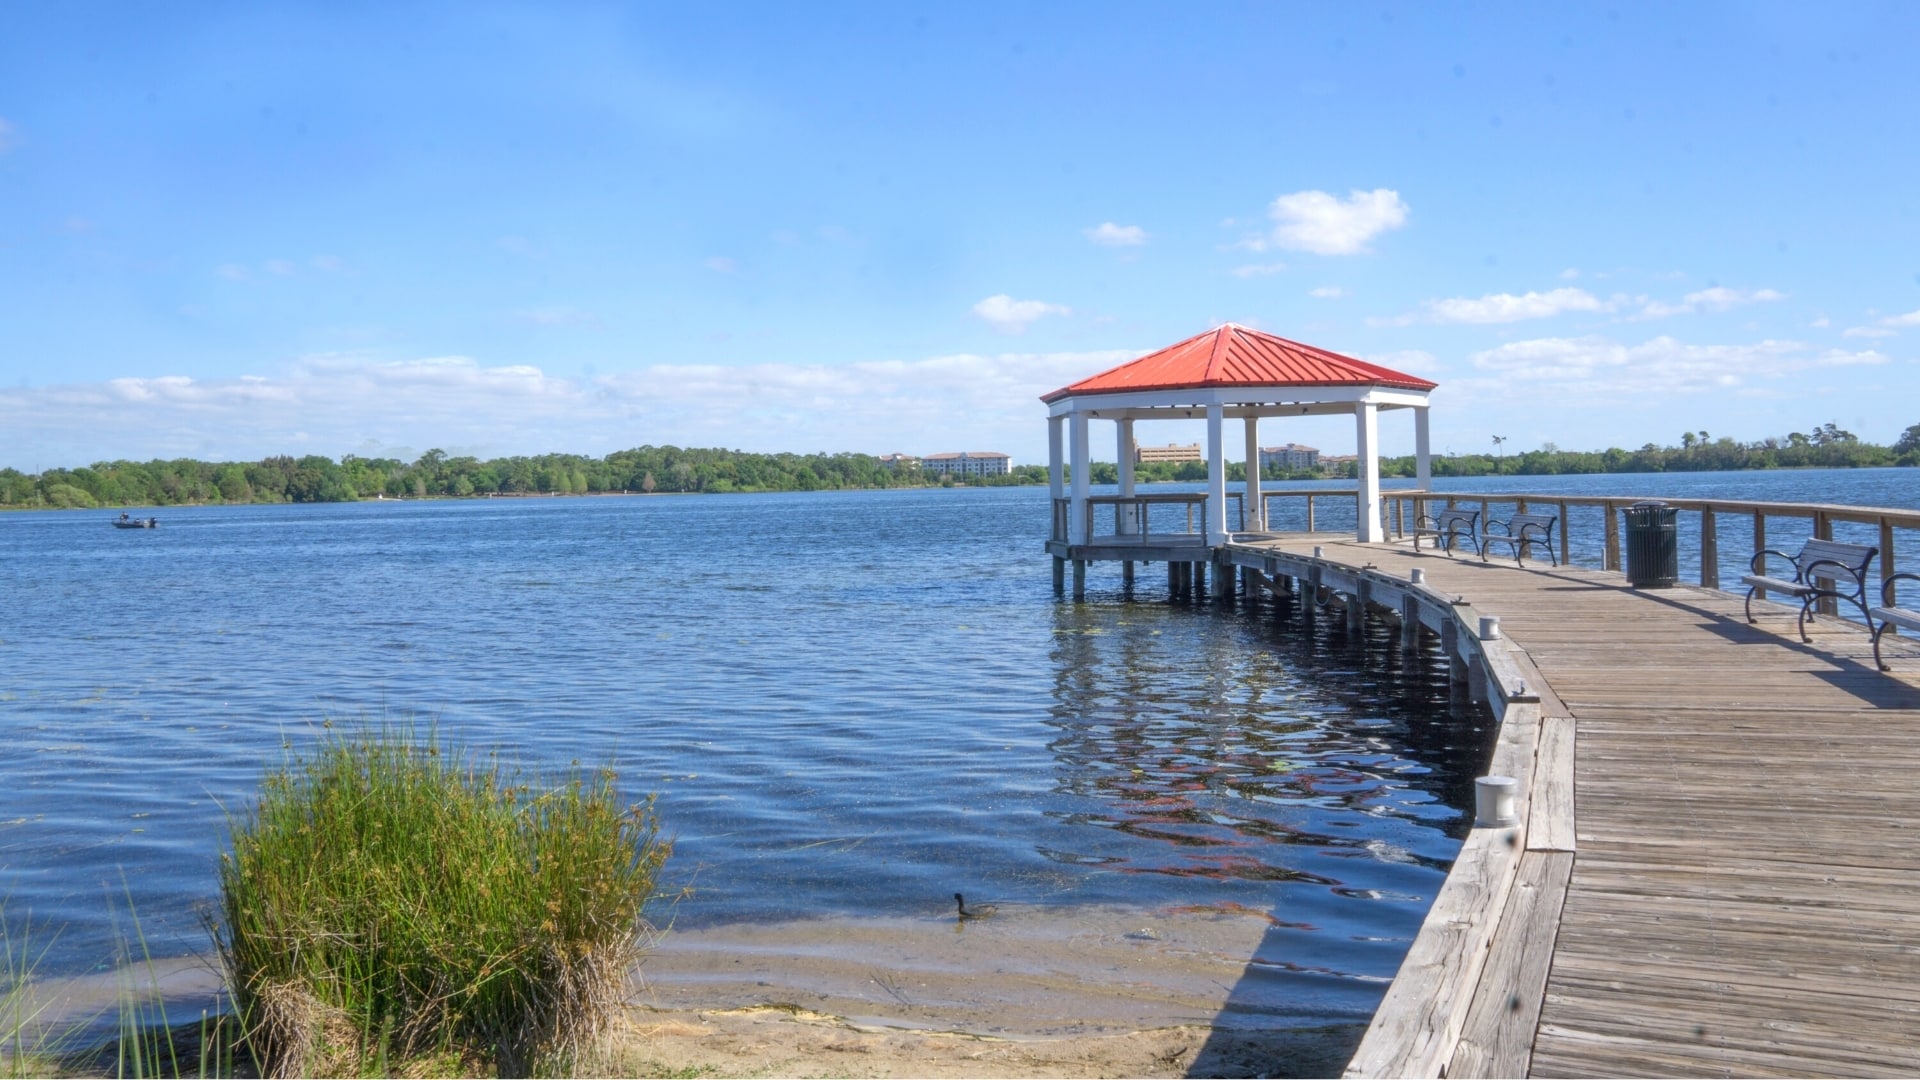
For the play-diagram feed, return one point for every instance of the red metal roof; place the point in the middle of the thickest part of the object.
(1234, 355)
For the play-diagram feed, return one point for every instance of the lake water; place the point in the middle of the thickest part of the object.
(852, 705)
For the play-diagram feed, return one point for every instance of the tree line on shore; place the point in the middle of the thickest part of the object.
(651, 469)
(314, 478)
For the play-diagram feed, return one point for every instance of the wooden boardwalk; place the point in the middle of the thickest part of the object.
(1743, 897)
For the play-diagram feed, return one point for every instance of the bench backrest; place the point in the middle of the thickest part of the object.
(1855, 557)
(1456, 519)
(1525, 524)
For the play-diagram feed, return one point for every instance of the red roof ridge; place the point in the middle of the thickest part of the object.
(1222, 337)
(1240, 356)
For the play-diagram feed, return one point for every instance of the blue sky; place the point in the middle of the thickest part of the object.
(231, 230)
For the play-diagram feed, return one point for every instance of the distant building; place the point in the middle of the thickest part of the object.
(1169, 452)
(968, 463)
(1292, 456)
(900, 461)
(1334, 463)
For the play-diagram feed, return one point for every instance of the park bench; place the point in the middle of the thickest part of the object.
(1819, 571)
(1890, 614)
(1519, 531)
(1446, 527)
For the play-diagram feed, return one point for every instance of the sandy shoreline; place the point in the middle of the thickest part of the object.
(782, 1042)
(1031, 992)
(1039, 992)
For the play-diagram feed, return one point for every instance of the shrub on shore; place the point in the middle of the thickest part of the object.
(388, 899)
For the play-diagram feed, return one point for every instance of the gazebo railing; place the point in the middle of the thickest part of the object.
(1399, 509)
(1142, 512)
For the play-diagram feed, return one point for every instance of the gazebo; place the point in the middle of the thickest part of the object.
(1231, 372)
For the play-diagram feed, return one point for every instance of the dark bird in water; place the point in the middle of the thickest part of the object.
(978, 911)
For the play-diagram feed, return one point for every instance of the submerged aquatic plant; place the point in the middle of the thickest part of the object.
(388, 899)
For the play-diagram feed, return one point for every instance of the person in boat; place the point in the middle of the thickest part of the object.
(123, 515)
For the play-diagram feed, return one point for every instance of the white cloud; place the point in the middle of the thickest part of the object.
(1501, 308)
(1821, 323)
(1318, 222)
(721, 264)
(337, 404)
(233, 272)
(328, 264)
(1911, 318)
(1328, 292)
(279, 267)
(1722, 299)
(1014, 316)
(1717, 298)
(1571, 273)
(1111, 235)
(1597, 370)
(1868, 332)
(1258, 269)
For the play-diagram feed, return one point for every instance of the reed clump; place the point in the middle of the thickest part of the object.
(387, 901)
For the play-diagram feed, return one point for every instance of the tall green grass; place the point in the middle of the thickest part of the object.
(26, 1048)
(388, 900)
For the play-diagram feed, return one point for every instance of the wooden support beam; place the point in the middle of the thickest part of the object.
(1611, 560)
(1709, 549)
(1566, 531)
(1886, 549)
(1497, 1039)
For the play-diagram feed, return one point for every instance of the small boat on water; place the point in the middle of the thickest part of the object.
(125, 521)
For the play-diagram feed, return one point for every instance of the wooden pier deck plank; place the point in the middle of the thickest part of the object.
(1744, 889)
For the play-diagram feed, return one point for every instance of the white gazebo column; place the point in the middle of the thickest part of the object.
(1256, 510)
(1056, 456)
(1216, 477)
(1056, 481)
(1079, 467)
(1366, 418)
(1125, 516)
(1422, 449)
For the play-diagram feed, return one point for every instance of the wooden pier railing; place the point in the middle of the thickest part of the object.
(1718, 537)
(1709, 527)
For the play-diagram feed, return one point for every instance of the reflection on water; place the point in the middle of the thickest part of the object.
(1307, 776)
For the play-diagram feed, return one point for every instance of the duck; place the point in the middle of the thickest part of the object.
(978, 911)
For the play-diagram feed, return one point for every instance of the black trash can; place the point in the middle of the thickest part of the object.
(1653, 545)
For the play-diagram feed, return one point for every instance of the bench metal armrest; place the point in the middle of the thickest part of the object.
(1887, 590)
(1758, 564)
(1506, 528)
